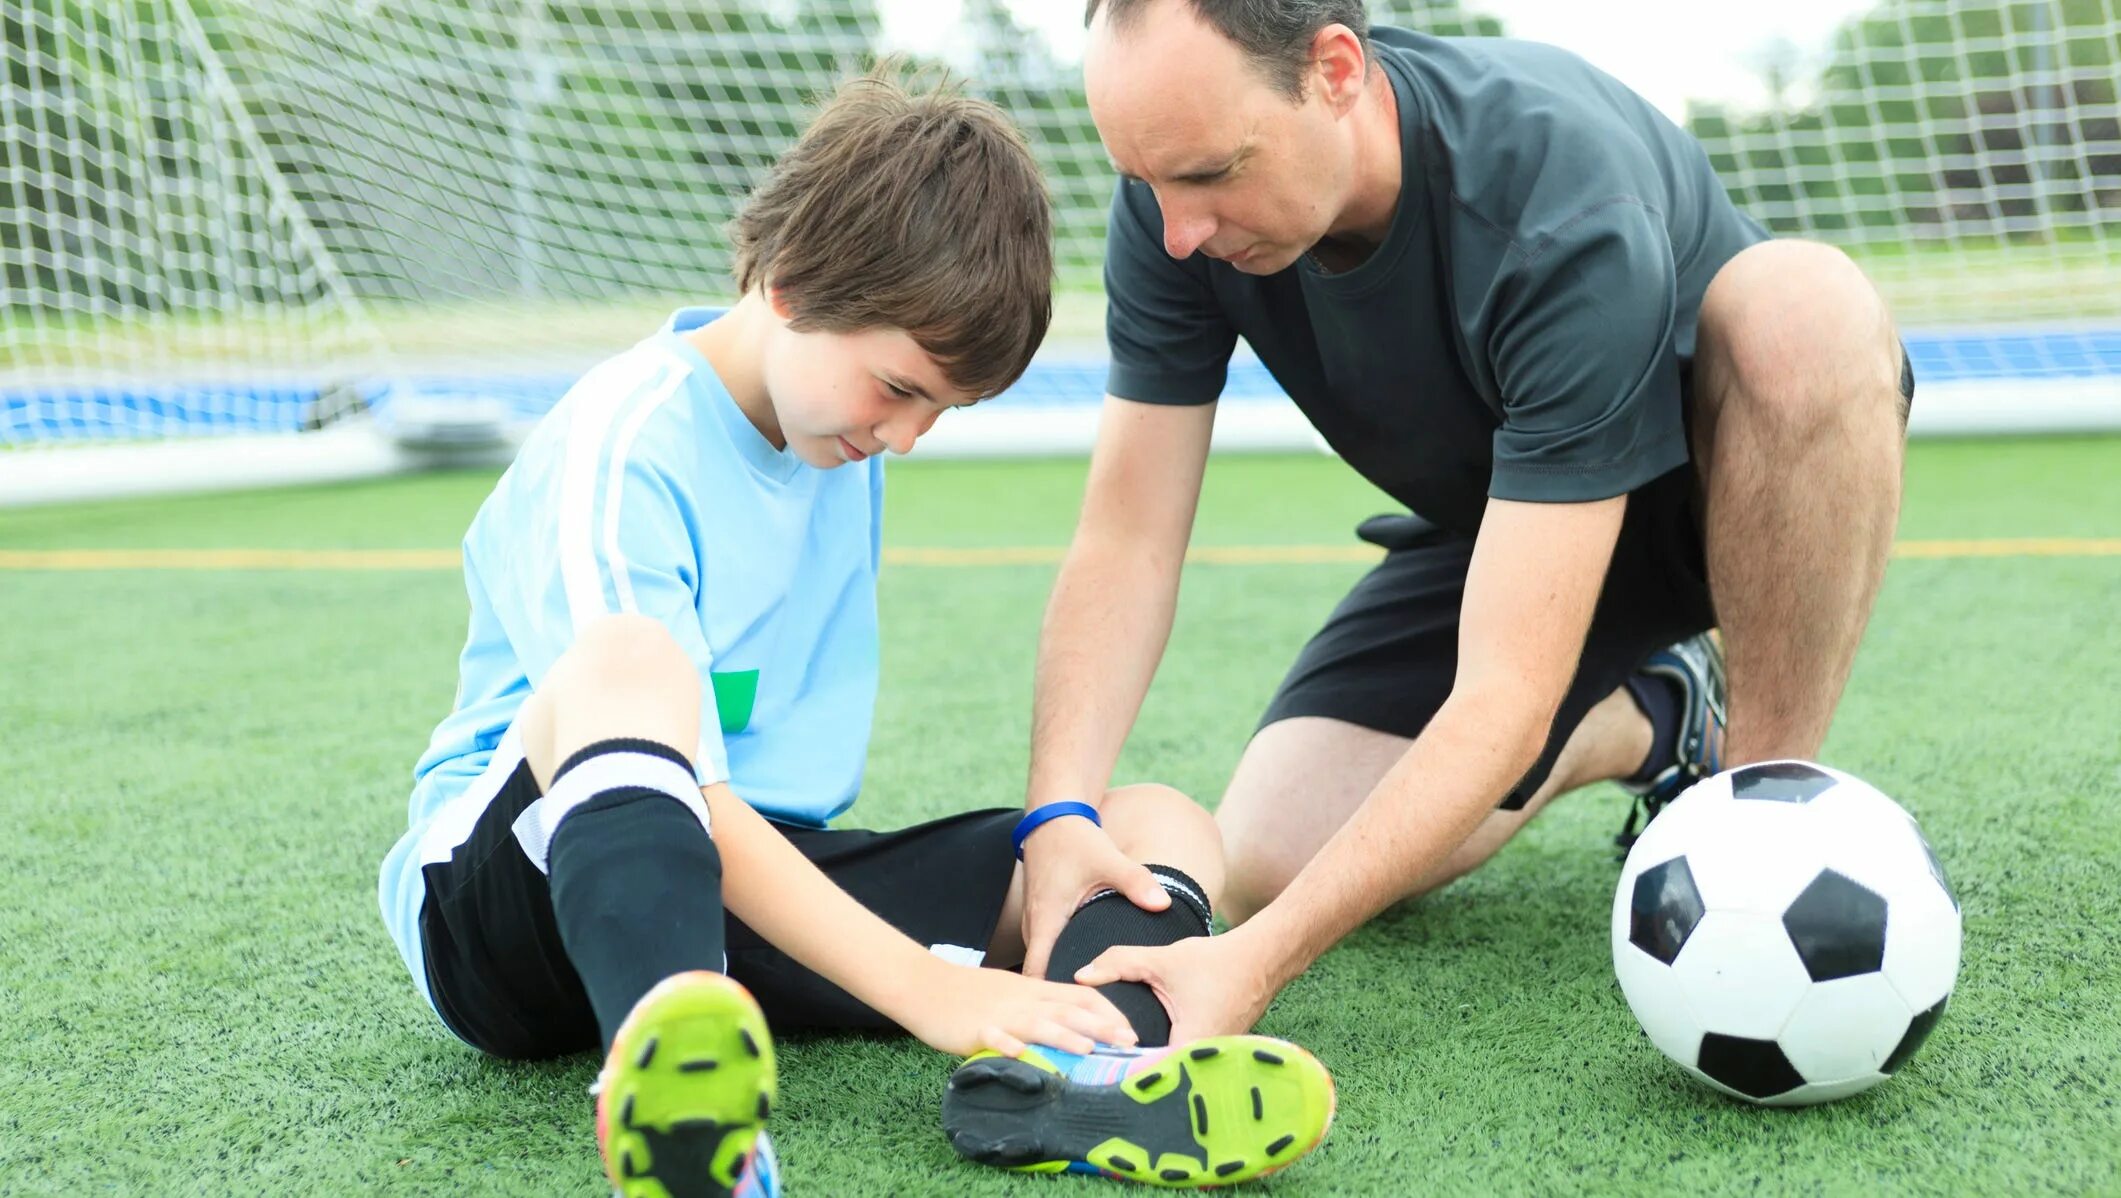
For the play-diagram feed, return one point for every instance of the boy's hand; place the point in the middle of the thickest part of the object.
(961, 1009)
(1066, 861)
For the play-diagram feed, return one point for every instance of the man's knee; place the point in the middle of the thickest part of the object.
(1257, 874)
(1259, 864)
(1794, 331)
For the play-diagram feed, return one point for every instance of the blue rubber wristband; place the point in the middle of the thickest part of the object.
(1051, 811)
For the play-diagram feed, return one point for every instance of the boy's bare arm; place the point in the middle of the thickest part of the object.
(770, 885)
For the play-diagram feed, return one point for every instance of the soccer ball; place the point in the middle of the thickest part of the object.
(1783, 932)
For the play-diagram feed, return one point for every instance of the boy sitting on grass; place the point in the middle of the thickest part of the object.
(618, 837)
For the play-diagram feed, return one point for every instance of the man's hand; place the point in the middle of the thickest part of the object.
(961, 1009)
(1067, 860)
(1211, 985)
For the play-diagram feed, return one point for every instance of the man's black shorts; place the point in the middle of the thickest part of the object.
(1388, 654)
(501, 979)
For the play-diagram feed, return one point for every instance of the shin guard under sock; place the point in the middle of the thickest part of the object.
(636, 880)
(1111, 918)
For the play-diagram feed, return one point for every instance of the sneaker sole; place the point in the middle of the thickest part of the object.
(1214, 1112)
(688, 1085)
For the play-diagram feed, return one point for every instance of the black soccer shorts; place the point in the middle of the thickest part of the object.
(1387, 656)
(501, 980)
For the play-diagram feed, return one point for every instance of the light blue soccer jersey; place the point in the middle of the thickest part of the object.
(646, 490)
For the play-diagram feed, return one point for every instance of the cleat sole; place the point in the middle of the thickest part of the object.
(679, 1115)
(1162, 1128)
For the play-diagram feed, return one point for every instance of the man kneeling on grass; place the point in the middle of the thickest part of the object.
(667, 691)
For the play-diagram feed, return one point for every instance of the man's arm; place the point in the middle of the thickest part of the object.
(1534, 581)
(1105, 630)
(1535, 577)
(1110, 614)
(770, 885)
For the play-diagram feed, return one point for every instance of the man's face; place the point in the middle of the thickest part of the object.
(1241, 172)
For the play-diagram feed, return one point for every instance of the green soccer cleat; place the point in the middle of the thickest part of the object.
(683, 1097)
(1213, 1112)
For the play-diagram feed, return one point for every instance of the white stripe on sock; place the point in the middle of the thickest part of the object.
(1176, 886)
(588, 779)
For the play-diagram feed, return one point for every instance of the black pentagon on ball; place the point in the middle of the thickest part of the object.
(1838, 928)
(1918, 1030)
(1754, 1068)
(1665, 909)
(1781, 782)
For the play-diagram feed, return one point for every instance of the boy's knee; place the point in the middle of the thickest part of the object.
(1159, 825)
(1150, 814)
(623, 652)
(624, 676)
(624, 638)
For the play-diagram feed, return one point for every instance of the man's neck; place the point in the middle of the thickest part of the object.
(1367, 218)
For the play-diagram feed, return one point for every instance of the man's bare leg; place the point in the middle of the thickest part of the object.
(1799, 433)
(1300, 779)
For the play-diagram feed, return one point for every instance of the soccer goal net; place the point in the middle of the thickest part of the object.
(277, 240)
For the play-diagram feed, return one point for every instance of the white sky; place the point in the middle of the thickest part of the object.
(1669, 50)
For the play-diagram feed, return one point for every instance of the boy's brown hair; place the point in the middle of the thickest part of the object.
(921, 211)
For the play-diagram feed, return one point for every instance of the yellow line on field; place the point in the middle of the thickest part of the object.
(230, 559)
(2021, 547)
(1021, 555)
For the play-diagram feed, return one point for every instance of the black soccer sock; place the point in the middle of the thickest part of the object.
(1659, 698)
(636, 880)
(1111, 918)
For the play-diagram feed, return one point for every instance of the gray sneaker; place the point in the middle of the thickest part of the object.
(1695, 666)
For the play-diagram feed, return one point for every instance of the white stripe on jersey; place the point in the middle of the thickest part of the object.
(587, 426)
(615, 485)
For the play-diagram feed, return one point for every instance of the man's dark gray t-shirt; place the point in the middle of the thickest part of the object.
(1523, 328)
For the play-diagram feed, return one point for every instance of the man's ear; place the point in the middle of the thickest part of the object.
(1339, 67)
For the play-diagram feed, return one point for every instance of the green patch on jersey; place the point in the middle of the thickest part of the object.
(734, 694)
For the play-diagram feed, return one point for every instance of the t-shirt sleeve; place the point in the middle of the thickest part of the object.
(1584, 353)
(616, 541)
(1168, 338)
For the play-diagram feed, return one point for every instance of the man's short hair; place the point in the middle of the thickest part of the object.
(914, 210)
(1275, 35)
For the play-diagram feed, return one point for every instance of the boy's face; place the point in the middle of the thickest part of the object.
(843, 397)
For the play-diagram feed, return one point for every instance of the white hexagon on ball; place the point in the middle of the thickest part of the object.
(1845, 1029)
(1740, 974)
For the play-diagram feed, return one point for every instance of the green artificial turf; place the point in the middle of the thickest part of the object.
(203, 768)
